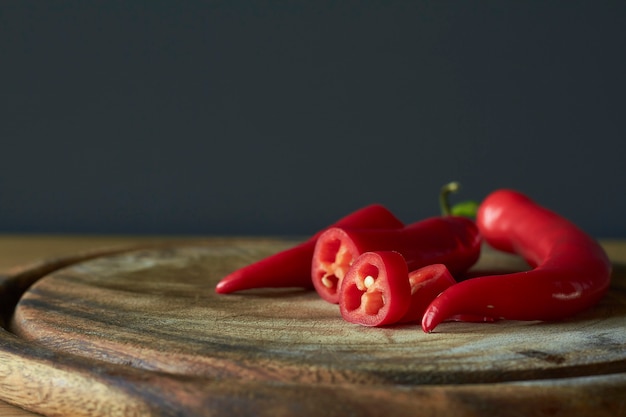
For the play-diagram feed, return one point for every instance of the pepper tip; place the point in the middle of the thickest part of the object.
(222, 287)
(428, 321)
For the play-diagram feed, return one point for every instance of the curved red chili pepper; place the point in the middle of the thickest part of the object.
(292, 267)
(571, 271)
(453, 241)
(376, 290)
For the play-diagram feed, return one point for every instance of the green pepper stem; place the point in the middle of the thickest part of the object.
(444, 204)
(467, 209)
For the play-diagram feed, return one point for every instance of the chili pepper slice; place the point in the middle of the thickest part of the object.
(376, 290)
(292, 267)
(453, 241)
(570, 270)
(426, 284)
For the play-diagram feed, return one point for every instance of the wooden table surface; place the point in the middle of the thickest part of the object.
(21, 249)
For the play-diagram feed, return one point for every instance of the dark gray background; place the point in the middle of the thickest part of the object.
(239, 117)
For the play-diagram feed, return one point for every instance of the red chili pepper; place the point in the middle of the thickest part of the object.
(292, 267)
(571, 271)
(376, 289)
(453, 241)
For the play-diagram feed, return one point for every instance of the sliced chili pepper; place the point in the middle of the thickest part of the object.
(376, 290)
(453, 241)
(292, 267)
(426, 284)
(570, 270)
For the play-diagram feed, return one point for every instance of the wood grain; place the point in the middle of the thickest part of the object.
(142, 332)
(8, 410)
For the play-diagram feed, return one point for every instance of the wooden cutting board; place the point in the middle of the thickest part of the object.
(141, 332)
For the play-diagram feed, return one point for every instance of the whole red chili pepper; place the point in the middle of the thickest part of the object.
(292, 267)
(453, 241)
(571, 271)
(376, 290)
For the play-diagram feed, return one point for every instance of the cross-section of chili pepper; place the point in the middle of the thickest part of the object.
(376, 290)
